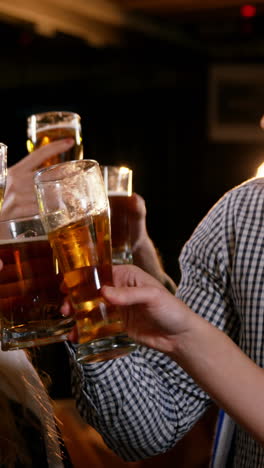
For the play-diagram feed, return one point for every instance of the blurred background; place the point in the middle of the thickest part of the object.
(172, 88)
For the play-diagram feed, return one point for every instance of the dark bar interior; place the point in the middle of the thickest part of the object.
(174, 93)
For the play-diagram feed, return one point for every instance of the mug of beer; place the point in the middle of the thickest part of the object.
(54, 125)
(30, 297)
(3, 171)
(118, 185)
(74, 207)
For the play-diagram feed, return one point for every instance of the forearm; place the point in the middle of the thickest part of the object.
(147, 257)
(234, 381)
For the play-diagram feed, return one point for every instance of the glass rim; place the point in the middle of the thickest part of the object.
(113, 166)
(3, 145)
(32, 217)
(52, 113)
(51, 169)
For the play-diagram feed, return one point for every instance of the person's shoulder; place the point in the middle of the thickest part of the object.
(249, 185)
(240, 201)
(249, 189)
(247, 194)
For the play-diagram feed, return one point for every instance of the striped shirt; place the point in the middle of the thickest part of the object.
(143, 403)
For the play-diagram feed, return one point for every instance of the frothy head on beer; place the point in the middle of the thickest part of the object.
(46, 127)
(69, 191)
(117, 180)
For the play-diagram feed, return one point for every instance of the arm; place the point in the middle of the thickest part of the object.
(20, 199)
(141, 404)
(144, 403)
(145, 255)
(159, 320)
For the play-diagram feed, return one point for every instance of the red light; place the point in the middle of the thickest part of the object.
(248, 11)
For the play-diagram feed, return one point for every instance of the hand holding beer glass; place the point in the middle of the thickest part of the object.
(45, 127)
(74, 207)
(118, 185)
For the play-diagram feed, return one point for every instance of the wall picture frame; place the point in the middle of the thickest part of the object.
(235, 103)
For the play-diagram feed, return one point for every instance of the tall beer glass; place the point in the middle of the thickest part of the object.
(118, 184)
(54, 125)
(30, 297)
(3, 171)
(74, 208)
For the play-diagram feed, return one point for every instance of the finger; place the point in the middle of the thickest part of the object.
(1, 264)
(126, 296)
(66, 309)
(131, 275)
(37, 157)
(137, 205)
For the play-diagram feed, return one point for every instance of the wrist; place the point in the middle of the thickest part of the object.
(147, 257)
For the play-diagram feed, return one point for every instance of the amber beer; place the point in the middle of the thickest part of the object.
(30, 297)
(74, 207)
(2, 194)
(83, 250)
(120, 228)
(47, 127)
(118, 185)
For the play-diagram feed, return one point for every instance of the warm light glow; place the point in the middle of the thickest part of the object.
(260, 171)
(248, 11)
(124, 170)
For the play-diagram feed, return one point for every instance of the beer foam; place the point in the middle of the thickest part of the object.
(113, 193)
(57, 125)
(20, 239)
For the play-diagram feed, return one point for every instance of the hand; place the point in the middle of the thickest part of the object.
(20, 199)
(137, 219)
(145, 255)
(152, 315)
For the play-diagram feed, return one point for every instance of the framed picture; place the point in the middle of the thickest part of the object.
(235, 103)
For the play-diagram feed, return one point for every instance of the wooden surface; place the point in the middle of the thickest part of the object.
(87, 448)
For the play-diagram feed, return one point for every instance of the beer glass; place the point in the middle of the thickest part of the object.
(3, 172)
(74, 207)
(118, 184)
(30, 297)
(54, 125)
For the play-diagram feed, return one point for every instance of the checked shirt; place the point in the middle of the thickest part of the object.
(143, 403)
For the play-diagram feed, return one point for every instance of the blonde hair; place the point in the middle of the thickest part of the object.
(20, 383)
(12, 445)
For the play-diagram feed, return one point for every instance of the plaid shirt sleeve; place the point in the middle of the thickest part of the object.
(207, 265)
(143, 403)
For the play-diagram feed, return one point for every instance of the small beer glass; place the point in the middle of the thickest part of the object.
(54, 125)
(118, 185)
(30, 297)
(74, 207)
(3, 172)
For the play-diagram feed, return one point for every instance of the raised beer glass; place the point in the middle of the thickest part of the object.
(74, 207)
(30, 297)
(118, 185)
(3, 172)
(45, 127)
